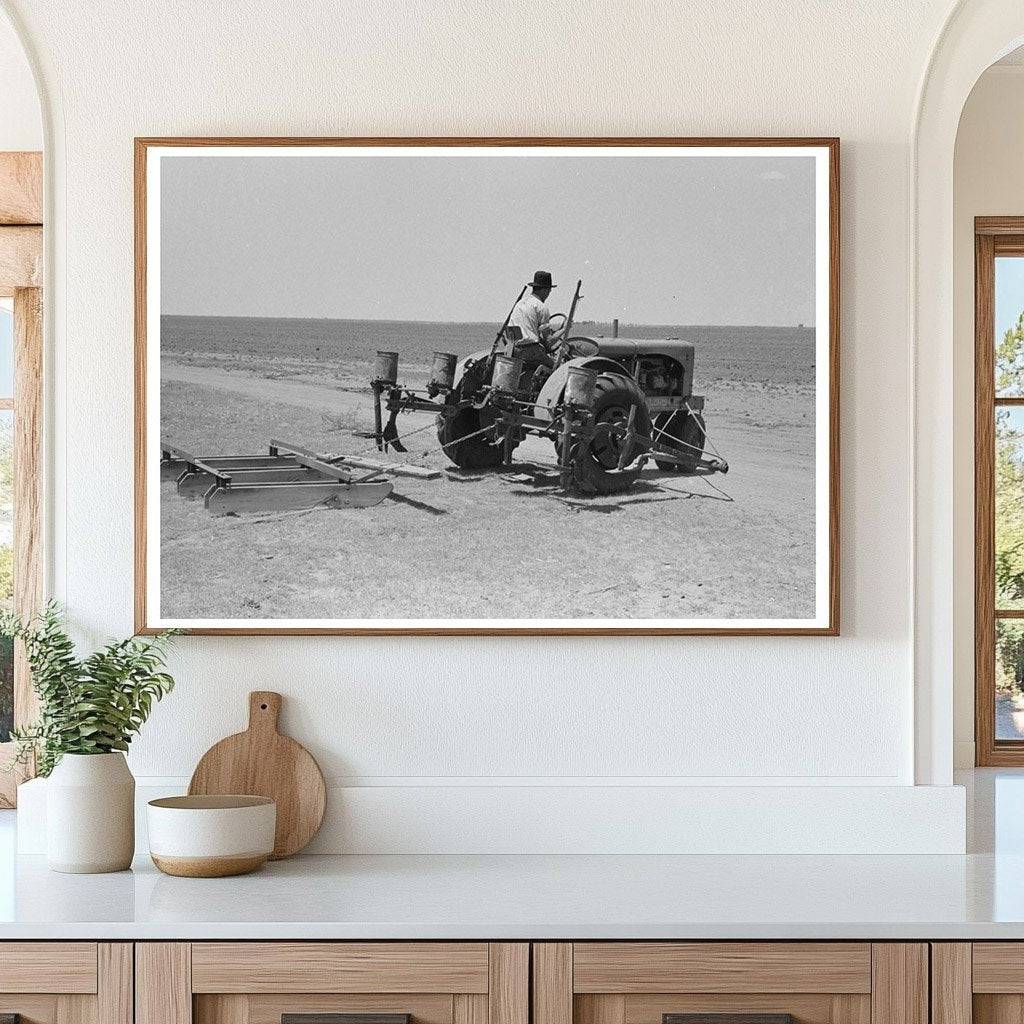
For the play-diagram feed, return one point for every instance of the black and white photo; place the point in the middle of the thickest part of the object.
(476, 387)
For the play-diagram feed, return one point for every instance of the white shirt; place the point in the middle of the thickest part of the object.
(530, 315)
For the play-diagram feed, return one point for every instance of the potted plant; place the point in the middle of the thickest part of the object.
(89, 710)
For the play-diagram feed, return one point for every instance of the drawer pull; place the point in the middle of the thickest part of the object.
(728, 1018)
(340, 1018)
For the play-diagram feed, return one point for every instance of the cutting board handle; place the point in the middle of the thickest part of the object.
(264, 711)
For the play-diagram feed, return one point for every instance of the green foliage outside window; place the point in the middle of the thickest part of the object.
(1009, 509)
(6, 688)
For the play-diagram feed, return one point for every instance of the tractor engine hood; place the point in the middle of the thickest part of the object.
(626, 348)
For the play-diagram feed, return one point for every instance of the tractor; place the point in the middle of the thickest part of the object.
(608, 404)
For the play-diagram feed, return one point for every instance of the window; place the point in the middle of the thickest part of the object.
(6, 510)
(999, 490)
(21, 375)
(20, 504)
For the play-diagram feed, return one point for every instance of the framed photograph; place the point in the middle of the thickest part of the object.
(487, 386)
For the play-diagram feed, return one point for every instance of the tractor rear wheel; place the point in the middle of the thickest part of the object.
(595, 462)
(684, 431)
(477, 451)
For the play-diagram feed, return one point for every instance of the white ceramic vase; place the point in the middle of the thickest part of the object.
(90, 814)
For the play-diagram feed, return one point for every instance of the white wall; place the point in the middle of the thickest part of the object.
(440, 714)
(988, 181)
(21, 125)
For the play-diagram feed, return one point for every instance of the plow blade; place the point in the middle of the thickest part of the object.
(389, 435)
(297, 495)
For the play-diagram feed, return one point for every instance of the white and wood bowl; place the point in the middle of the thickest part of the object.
(211, 836)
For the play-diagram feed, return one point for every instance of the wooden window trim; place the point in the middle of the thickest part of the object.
(21, 261)
(28, 561)
(993, 236)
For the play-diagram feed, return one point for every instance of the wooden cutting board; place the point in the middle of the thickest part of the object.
(262, 762)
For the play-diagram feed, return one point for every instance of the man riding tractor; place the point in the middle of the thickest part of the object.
(538, 350)
(540, 338)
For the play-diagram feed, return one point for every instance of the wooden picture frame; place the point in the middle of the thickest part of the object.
(825, 621)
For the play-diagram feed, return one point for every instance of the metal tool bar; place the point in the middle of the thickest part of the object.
(407, 401)
(276, 447)
(666, 454)
(180, 455)
(197, 465)
(325, 468)
(420, 472)
(229, 462)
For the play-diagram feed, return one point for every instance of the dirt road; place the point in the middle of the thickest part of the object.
(315, 398)
(503, 544)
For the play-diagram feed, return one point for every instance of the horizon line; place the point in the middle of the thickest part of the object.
(400, 320)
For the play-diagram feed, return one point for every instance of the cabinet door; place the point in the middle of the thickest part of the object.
(66, 983)
(736, 982)
(981, 982)
(332, 983)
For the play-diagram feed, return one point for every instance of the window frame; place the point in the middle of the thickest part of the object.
(26, 403)
(21, 273)
(993, 237)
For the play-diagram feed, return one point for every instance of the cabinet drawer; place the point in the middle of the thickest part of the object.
(630, 967)
(340, 967)
(998, 967)
(48, 967)
(264, 982)
(735, 982)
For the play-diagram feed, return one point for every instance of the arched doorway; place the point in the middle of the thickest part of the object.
(976, 33)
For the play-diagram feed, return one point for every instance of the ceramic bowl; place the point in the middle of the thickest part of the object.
(211, 836)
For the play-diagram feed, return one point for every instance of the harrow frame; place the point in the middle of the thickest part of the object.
(288, 477)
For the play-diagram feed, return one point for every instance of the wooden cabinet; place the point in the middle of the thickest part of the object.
(262, 982)
(649, 982)
(494, 983)
(980, 982)
(66, 982)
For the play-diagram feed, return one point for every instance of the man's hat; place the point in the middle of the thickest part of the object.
(542, 279)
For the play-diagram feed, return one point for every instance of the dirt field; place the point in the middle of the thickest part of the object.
(499, 545)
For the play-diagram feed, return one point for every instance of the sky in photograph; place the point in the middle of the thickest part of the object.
(677, 240)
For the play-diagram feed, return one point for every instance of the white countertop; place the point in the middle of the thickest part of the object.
(532, 897)
(978, 896)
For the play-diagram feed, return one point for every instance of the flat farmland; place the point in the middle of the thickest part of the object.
(503, 544)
